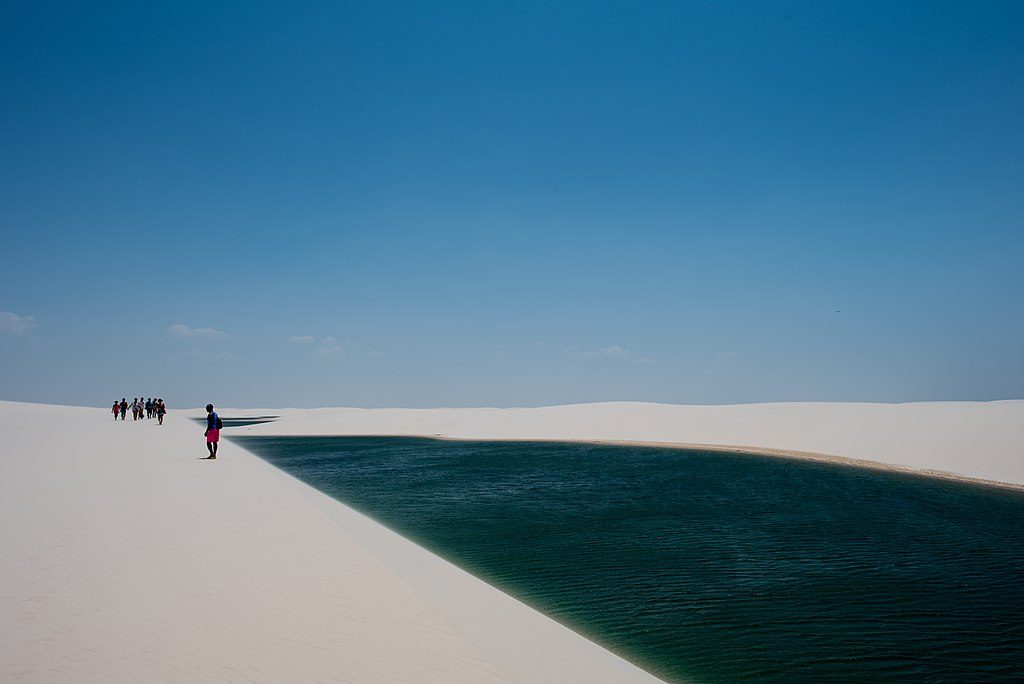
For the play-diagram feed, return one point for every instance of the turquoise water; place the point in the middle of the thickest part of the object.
(708, 566)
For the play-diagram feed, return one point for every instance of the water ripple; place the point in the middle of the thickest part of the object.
(709, 566)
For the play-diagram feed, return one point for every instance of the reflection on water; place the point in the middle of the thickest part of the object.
(239, 422)
(709, 566)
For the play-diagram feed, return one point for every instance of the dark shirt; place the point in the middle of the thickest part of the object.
(211, 420)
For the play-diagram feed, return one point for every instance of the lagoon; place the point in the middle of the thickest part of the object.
(704, 566)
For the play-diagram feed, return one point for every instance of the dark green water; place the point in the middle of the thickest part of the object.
(239, 422)
(707, 566)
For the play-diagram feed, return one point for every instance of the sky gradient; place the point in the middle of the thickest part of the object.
(412, 204)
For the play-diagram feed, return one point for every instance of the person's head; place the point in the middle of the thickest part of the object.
(209, 408)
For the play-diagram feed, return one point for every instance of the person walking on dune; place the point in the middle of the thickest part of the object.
(161, 411)
(213, 426)
(116, 409)
(124, 408)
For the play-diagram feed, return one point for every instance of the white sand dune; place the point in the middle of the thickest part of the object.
(125, 558)
(972, 440)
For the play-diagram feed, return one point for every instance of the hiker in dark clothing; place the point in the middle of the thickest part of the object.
(213, 425)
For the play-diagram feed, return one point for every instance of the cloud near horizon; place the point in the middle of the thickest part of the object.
(183, 331)
(326, 346)
(611, 352)
(328, 350)
(15, 325)
(330, 346)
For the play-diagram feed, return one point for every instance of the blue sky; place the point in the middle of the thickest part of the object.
(432, 204)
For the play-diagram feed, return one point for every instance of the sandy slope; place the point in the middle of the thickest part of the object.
(970, 439)
(124, 558)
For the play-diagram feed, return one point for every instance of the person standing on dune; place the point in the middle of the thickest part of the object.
(161, 410)
(213, 426)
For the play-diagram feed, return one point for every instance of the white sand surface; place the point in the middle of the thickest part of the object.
(124, 558)
(972, 440)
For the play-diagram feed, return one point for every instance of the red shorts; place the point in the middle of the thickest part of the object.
(213, 435)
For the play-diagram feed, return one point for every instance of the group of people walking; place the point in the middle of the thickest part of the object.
(155, 408)
(140, 408)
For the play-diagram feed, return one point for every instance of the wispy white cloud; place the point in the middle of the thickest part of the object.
(498, 352)
(15, 325)
(724, 361)
(330, 346)
(328, 350)
(185, 332)
(615, 352)
(376, 354)
(325, 346)
(724, 355)
(612, 352)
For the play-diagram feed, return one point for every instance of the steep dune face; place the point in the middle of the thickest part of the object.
(123, 557)
(973, 440)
